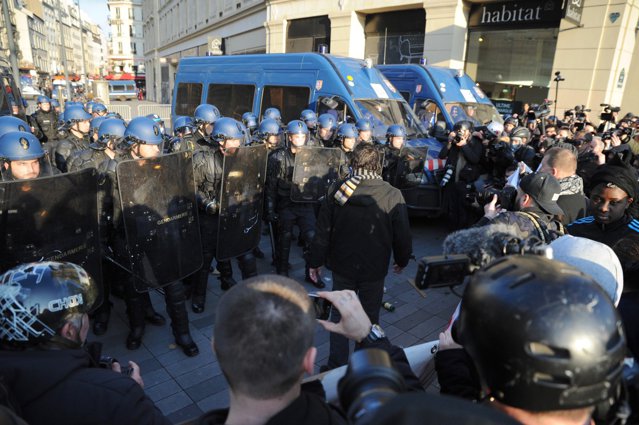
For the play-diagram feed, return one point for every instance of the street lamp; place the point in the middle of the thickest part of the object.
(558, 78)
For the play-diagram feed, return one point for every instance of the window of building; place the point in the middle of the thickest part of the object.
(131, 13)
(134, 49)
(231, 99)
(189, 96)
(119, 29)
(131, 31)
(305, 35)
(289, 100)
(120, 47)
(117, 13)
(395, 37)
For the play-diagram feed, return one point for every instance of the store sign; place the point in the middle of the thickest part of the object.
(503, 106)
(574, 10)
(516, 14)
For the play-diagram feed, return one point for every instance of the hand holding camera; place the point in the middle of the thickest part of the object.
(354, 323)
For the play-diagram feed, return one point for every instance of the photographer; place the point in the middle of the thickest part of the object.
(535, 209)
(263, 339)
(52, 376)
(463, 153)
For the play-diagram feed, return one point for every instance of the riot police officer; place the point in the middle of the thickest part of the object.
(310, 119)
(346, 139)
(56, 106)
(208, 167)
(108, 136)
(93, 128)
(143, 139)
(272, 113)
(22, 157)
(99, 110)
(395, 139)
(204, 117)
(77, 122)
(10, 123)
(183, 137)
(268, 133)
(279, 206)
(44, 121)
(326, 125)
(365, 129)
(250, 122)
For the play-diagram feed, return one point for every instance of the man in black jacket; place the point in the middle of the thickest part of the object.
(264, 343)
(50, 373)
(361, 222)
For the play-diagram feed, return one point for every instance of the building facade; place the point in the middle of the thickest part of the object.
(126, 43)
(179, 28)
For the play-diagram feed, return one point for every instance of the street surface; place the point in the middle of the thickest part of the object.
(185, 387)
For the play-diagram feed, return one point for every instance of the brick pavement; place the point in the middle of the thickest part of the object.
(185, 387)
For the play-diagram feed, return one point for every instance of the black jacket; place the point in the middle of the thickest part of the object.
(574, 206)
(65, 148)
(355, 240)
(530, 222)
(45, 125)
(473, 152)
(64, 387)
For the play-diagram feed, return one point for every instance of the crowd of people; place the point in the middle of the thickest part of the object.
(536, 340)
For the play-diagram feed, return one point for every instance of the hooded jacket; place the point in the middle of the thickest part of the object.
(65, 387)
(355, 240)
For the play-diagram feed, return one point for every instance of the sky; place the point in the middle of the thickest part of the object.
(98, 12)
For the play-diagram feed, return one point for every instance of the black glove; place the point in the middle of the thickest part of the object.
(213, 207)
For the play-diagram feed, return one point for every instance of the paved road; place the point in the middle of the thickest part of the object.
(185, 387)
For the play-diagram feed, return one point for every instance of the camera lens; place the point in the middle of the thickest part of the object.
(369, 382)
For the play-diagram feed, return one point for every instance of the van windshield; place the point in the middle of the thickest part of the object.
(385, 112)
(477, 113)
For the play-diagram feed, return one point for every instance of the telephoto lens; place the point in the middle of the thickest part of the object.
(370, 381)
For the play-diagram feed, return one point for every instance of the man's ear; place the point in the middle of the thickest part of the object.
(69, 331)
(309, 360)
(525, 201)
(630, 200)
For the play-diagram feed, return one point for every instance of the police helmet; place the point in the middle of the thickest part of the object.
(156, 118)
(272, 113)
(20, 146)
(495, 128)
(249, 120)
(55, 103)
(37, 299)
(182, 123)
(512, 121)
(10, 123)
(520, 132)
(346, 131)
(327, 121)
(99, 108)
(111, 128)
(309, 117)
(143, 130)
(296, 127)
(364, 124)
(95, 124)
(395, 130)
(206, 114)
(268, 127)
(463, 125)
(225, 129)
(43, 99)
(543, 335)
(74, 114)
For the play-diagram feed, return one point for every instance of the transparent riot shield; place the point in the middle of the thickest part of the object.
(410, 166)
(241, 202)
(315, 170)
(160, 219)
(52, 219)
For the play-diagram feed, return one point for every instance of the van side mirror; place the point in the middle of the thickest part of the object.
(330, 102)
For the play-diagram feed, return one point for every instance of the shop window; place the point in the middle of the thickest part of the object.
(395, 37)
(189, 96)
(289, 100)
(306, 35)
(231, 99)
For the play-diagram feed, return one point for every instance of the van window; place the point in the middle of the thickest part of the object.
(189, 96)
(116, 88)
(231, 99)
(129, 88)
(429, 113)
(335, 106)
(289, 100)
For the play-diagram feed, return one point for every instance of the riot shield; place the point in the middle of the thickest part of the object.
(159, 214)
(410, 166)
(241, 202)
(315, 170)
(52, 219)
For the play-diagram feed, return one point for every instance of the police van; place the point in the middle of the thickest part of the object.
(441, 96)
(122, 90)
(348, 88)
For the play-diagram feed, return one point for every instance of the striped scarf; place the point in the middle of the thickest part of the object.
(347, 188)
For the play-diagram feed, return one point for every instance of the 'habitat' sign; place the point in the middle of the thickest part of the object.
(516, 14)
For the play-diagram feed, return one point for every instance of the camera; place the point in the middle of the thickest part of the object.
(106, 362)
(539, 111)
(448, 174)
(322, 306)
(370, 381)
(505, 197)
(608, 112)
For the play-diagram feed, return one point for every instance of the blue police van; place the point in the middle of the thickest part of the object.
(441, 96)
(348, 88)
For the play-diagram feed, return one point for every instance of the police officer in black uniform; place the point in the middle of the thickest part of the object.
(109, 135)
(395, 140)
(143, 140)
(280, 208)
(204, 117)
(77, 122)
(326, 125)
(45, 121)
(183, 137)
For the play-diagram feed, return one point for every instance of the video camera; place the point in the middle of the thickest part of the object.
(539, 111)
(580, 112)
(607, 114)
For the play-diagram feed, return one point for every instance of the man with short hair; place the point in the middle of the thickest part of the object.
(362, 221)
(562, 164)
